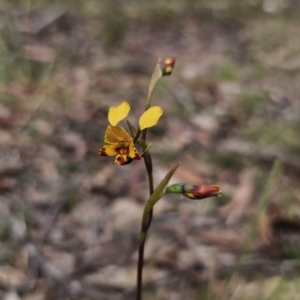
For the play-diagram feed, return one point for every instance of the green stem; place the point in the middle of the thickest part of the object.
(145, 226)
(147, 215)
(148, 163)
(140, 264)
(149, 167)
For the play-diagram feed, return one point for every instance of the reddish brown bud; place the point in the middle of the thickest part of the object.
(192, 191)
(200, 191)
(167, 66)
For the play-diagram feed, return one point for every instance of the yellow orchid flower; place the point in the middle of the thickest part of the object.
(118, 142)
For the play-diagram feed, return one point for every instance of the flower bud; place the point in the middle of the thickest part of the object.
(193, 191)
(167, 66)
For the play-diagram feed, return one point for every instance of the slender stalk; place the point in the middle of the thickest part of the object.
(156, 195)
(149, 167)
(140, 264)
(148, 163)
(145, 225)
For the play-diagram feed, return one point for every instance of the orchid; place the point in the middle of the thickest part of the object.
(117, 140)
(119, 143)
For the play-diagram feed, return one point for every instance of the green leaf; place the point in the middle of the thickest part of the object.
(157, 74)
(158, 192)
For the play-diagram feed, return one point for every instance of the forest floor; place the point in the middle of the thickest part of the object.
(70, 219)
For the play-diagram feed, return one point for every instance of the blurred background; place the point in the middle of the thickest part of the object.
(70, 219)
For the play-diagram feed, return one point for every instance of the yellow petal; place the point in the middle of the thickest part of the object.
(133, 153)
(108, 150)
(116, 134)
(150, 117)
(118, 113)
